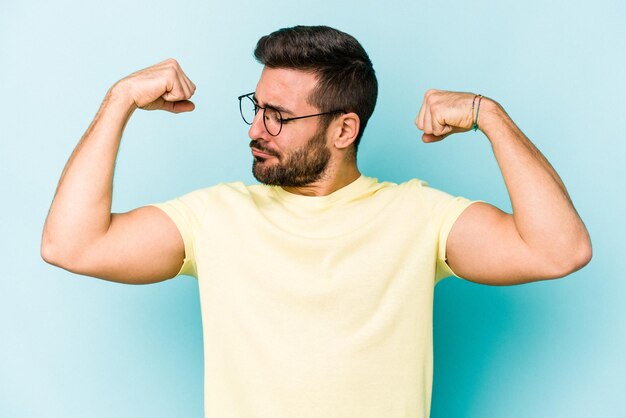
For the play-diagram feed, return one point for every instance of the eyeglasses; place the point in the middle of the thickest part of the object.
(272, 119)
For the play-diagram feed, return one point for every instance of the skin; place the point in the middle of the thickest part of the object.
(289, 89)
(293, 165)
(543, 238)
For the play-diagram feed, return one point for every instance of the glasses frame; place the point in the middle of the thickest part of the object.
(280, 116)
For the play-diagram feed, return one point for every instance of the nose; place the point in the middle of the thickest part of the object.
(257, 129)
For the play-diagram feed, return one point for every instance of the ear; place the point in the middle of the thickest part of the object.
(345, 129)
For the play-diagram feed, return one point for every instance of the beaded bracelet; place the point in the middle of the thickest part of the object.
(475, 125)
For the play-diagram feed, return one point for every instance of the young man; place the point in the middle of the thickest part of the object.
(317, 285)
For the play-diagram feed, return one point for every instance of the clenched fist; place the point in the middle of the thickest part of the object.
(447, 112)
(163, 86)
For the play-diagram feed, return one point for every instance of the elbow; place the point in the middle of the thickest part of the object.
(46, 250)
(48, 253)
(578, 256)
(68, 254)
(52, 255)
(584, 254)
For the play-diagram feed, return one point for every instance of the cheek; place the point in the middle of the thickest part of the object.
(285, 144)
(299, 134)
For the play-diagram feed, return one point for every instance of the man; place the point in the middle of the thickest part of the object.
(316, 286)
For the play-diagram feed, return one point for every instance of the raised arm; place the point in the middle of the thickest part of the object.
(544, 238)
(80, 233)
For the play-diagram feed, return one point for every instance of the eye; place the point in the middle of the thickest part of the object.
(272, 115)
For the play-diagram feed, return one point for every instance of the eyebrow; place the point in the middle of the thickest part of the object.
(281, 109)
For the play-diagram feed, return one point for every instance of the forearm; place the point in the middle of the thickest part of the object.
(81, 209)
(543, 212)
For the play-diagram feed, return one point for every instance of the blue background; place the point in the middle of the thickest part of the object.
(73, 346)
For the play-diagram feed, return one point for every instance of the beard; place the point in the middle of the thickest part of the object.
(297, 168)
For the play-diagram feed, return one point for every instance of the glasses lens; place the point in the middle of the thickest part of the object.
(247, 107)
(273, 121)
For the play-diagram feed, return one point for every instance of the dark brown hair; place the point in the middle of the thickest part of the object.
(346, 77)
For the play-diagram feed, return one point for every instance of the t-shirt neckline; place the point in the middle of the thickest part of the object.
(348, 192)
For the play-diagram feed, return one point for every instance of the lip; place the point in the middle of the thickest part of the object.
(261, 154)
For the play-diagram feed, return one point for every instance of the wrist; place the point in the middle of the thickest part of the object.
(117, 107)
(491, 116)
(120, 95)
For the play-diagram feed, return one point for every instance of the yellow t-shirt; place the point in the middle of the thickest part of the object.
(317, 306)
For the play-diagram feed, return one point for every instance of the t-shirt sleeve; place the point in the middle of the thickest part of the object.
(186, 212)
(445, 210)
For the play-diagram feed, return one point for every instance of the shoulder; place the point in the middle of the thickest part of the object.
(421, 197)
(426, 192)
(374, 184)
(236, 193)
(416, 188)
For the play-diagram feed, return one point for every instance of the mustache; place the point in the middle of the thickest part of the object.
(257, 145)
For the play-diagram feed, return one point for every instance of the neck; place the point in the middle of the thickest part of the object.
(330, 182)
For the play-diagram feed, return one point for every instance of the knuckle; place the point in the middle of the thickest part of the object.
(173, 64)
(174, 96)
(171, 72)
